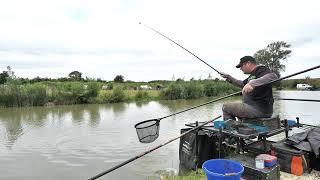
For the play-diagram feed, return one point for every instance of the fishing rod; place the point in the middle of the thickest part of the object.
(150, 150)
(181, 47)
(148, 130)
(290, 99)
(291, 75)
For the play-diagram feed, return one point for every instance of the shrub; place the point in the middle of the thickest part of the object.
(90, 93)
(210, 89)
(116, 96)
(141, 95)
(193, 90)
(174, 91)
(217, 88)
(67, 93)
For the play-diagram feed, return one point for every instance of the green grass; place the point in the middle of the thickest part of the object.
(194, 175)
(17, 94)
(292, 83)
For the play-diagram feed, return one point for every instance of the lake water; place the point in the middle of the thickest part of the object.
(80, 141)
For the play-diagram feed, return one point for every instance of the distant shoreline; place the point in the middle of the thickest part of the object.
(50, 93)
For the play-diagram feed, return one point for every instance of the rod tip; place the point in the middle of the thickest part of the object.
(139, 22)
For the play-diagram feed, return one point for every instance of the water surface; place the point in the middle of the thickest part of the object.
(80, 141)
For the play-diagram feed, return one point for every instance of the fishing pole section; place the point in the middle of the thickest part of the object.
(148, 131)
(181, 47)
(294, 99)
(152, 149)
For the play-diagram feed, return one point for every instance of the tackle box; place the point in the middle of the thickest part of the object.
(268, 159)
(251, 172)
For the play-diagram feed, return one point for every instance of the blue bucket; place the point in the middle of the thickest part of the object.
(223, 169)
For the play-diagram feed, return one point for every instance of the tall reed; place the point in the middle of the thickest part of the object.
(15, 94)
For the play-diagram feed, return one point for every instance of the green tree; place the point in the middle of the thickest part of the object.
(119, 78)
(10, 73)
(3, 77)
(75, 75)
(273, 55)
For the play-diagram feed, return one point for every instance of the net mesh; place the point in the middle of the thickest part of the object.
(148, 131)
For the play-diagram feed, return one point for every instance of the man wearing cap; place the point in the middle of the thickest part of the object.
(257, 99)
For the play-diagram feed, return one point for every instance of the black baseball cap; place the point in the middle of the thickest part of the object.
(245, 59)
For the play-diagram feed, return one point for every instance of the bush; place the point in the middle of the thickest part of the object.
(141, 95)
(210, 89)
(174, 91)
(117, 95)
(90, 93)
(67, 93)
(217, 88)
(193, 90)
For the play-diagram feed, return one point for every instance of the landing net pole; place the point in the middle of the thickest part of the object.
(147, 152)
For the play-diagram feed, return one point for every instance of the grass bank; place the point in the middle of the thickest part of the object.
(17, 94)
(291, 84)
(193, 175)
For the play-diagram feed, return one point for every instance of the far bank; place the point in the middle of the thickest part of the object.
(15, 93)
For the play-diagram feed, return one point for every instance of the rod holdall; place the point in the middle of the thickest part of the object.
(208, 148)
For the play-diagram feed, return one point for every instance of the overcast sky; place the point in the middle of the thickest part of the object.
(102, 38)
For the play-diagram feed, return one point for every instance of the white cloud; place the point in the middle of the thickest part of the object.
(103, 38)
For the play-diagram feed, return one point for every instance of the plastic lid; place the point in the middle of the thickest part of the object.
(267, 157)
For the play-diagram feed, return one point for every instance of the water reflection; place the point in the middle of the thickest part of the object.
(140, 104)
(94, 115)
(14, 118)
(18, 121)
(118, 108)
(77, 114)
(13, 131)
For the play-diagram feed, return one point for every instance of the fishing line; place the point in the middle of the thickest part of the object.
(181, 47)
(290, 99)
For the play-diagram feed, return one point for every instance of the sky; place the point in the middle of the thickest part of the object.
(103, 38)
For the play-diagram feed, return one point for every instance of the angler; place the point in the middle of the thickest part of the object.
(257, 98)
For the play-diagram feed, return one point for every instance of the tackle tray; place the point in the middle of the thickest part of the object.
(234, 133)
